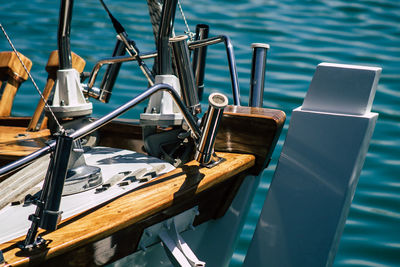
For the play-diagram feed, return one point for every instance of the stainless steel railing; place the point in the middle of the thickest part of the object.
(195, 131)
(231, 60)
(99, 93)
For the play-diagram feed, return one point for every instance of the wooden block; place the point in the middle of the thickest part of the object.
(12, 72)
(7, 98)
(11, 67)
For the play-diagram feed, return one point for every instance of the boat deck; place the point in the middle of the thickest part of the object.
(168, 194)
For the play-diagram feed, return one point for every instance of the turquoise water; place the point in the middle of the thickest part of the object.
(301, 34)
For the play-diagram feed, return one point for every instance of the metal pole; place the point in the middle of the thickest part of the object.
(199, 59)
(111, 73)
(106, 119)
(231, 61)
(129, 44)
(185, 73)
(132, 51)
(166, 25)
(122, 109)
(205, 149)
(52, 200)
(27, 159)
(63, 34)
(258, 74)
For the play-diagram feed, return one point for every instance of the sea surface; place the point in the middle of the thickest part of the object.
(302, 34)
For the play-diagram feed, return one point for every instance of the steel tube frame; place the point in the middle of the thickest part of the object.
(257, 78)
(113, 60)
(106, 119)
(63, 34)
(111, 73)
(231, 61)
(122, 109)
(199, 59)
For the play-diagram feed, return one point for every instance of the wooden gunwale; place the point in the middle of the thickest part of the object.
(246, 138)
(16, 142)
(247, 130)
(250, 130)
(159, 194)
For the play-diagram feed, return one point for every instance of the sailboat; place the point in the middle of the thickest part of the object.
(174, 186)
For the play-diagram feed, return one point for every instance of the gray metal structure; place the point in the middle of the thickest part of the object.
(257, 78)
(314, 183)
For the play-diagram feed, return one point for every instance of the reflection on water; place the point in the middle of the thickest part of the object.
(301, 34)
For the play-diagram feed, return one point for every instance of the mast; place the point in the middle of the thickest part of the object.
(63, 34)
(164, 33)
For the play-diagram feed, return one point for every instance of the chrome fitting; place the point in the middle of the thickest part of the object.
(205, 148)
(185, 72)
(258, 62)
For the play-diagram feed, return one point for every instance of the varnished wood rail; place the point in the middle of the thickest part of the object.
(15, 142)
(250, 130)
(116, 227)
(77, 240)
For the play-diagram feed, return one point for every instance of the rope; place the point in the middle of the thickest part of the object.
(30, 77)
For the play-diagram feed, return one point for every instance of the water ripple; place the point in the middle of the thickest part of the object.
(301, 34)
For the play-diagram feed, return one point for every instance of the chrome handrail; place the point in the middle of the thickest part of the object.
(231, 60)
(112, 60)
(106, 119)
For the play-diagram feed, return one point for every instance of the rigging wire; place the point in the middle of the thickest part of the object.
(30, 77)
(129, 44)
(188, 32)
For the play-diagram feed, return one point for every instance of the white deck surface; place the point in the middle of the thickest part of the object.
(14, 219)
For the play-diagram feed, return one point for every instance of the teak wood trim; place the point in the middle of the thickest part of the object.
(15, 129)
(13, 74)
(242, 130)
(16, 142)
(10, 66)
(250, 130)
(212, 204)
(173, 188)
(14, 121)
